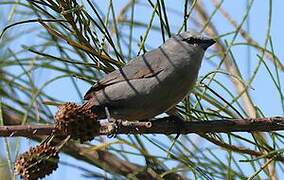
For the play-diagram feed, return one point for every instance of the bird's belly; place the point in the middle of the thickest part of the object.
(144, 98)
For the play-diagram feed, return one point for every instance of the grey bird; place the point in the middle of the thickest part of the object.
(152, 83)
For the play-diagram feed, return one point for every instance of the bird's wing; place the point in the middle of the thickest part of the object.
(145, 66)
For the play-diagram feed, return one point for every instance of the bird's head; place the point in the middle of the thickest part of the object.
(195, 40)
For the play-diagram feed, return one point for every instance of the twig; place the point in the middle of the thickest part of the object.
(166, 125)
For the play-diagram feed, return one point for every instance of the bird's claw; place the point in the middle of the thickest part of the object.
(115, 124)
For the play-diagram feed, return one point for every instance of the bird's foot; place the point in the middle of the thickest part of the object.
(115, 129)
(115, 124)
(178, 125)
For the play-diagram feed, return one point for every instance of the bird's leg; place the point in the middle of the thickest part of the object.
(174, 112)
(113, 121)
(108, 115)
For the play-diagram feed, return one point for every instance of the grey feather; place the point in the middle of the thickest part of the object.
(153, 82)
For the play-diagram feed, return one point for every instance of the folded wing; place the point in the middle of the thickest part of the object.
(145, 66)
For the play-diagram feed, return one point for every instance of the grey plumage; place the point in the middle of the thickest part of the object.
(151, 83)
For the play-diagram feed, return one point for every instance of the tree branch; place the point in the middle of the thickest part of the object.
(166, 125)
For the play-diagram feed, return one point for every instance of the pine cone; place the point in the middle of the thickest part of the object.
(38, 162)
(80, 123)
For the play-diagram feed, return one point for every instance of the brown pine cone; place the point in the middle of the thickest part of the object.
(80, 123)
(38, 162)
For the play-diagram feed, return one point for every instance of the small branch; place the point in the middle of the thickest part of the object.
(166, 125)
(27, 130)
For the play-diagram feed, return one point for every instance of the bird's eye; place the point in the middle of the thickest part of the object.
(191, 40)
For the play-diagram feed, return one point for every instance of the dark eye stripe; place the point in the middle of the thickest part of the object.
(192, 40)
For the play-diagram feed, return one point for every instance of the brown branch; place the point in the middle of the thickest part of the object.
(237, 149)
(100, 158)
(111, 163)
(166, 125)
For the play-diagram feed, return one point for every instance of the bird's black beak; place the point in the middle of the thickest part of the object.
(207, 43)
